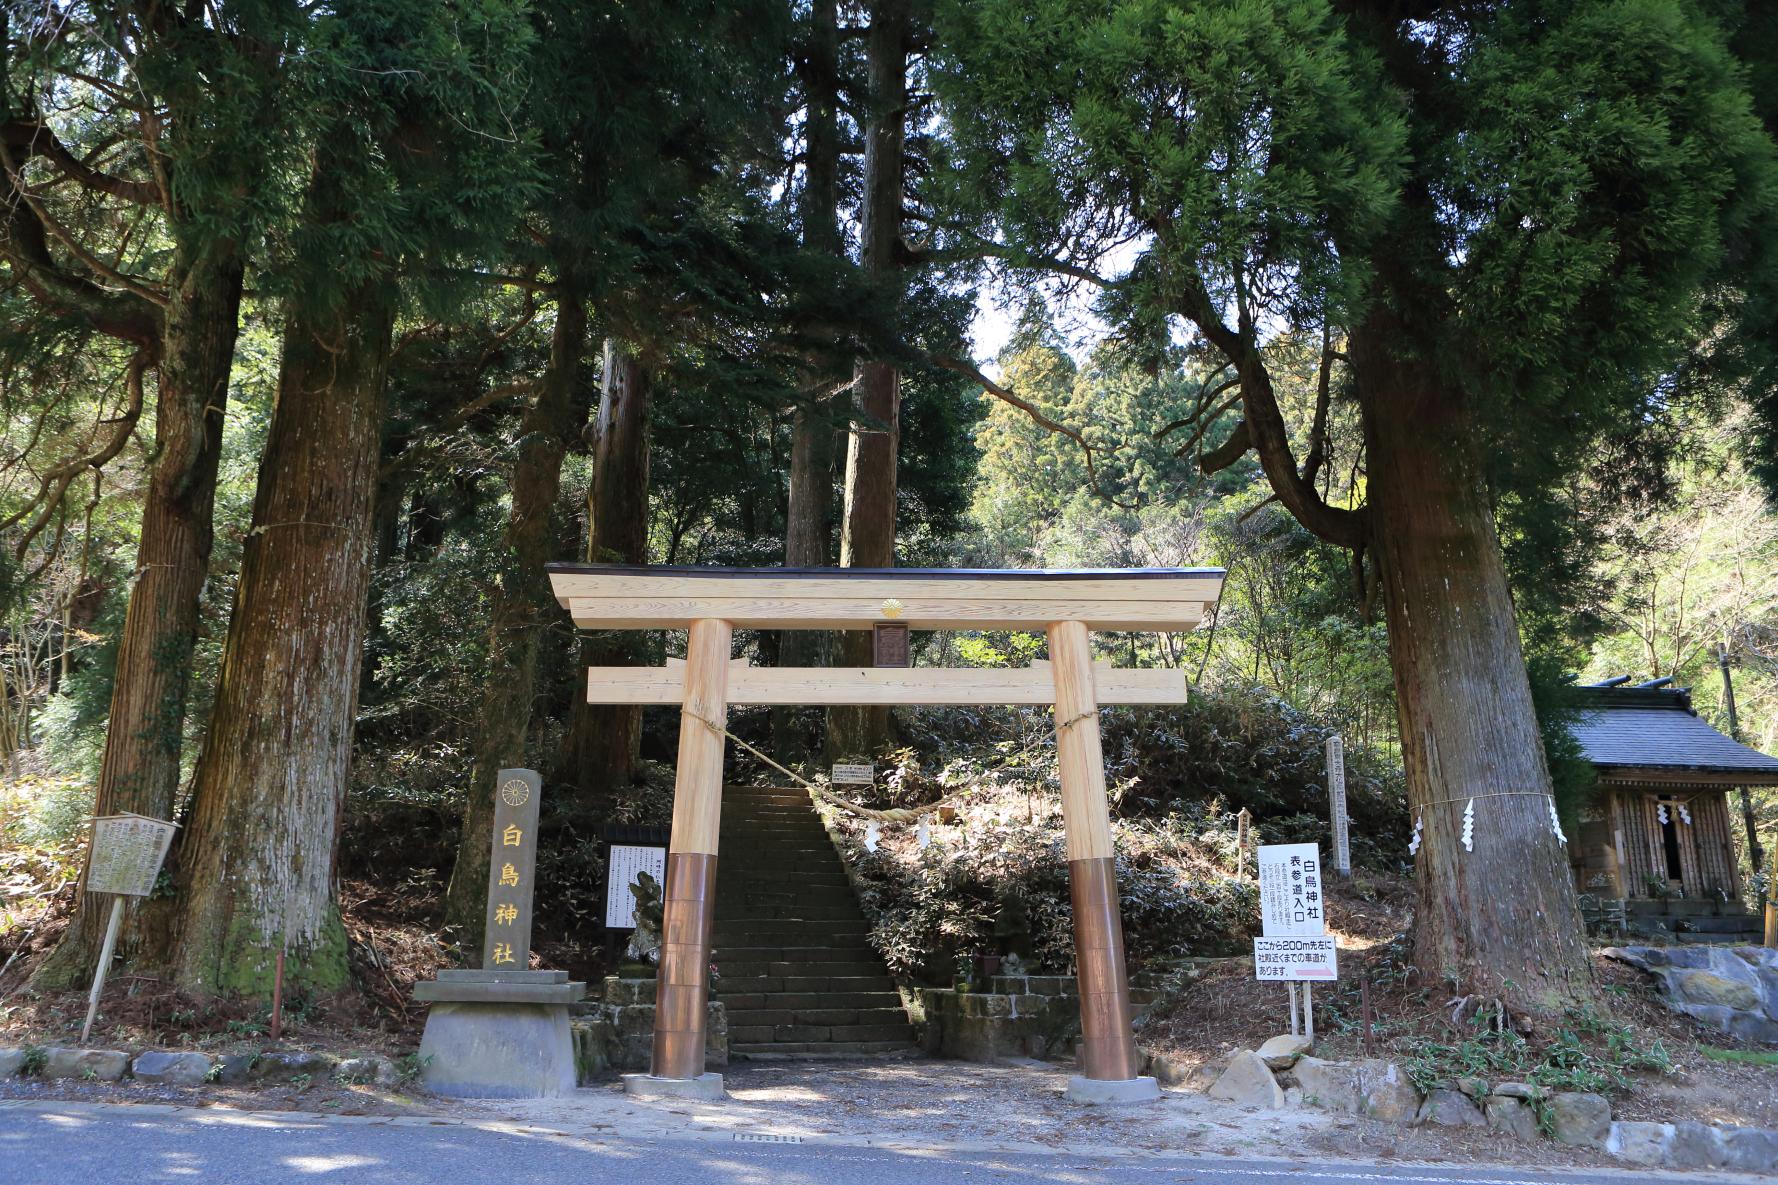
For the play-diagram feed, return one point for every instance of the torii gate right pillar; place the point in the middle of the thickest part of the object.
(1108, 1065)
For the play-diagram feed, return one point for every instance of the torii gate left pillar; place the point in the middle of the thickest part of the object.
(612, 597)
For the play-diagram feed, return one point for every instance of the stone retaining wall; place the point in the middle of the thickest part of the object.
(616, 1033)
(1281, 1074)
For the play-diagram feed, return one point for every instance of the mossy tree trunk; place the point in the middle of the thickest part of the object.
(140, 768)
(1468, 727)
(256, 857)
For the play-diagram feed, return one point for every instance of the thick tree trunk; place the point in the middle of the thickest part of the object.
(257, 852)
(604, 741)
(808, 519)
(519, 606)
(1501, 919)
(141, 764)
(867, 538)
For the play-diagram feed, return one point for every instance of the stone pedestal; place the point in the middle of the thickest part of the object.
(1100, 1092)
(706, 1086)
(498, 1034)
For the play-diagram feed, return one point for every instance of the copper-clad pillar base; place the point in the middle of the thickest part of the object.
(683, 981)
(1108, 1044)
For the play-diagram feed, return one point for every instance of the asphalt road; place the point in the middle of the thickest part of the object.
(47, 1144)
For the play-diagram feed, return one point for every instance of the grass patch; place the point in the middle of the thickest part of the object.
(1745, 1057)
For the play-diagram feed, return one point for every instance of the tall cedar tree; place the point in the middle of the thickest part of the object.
(414, 165)
(867, 528)
(1507, 212)
(201, 154)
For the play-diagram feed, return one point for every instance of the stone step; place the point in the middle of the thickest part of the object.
(801, 1050)
(746, 932)
(730, 985)
(844, 969)
(741, 912)
(781, 895)
(739, 1018)
(793, 954)
(819, 1034)
(1744, 924)
(864, 1001)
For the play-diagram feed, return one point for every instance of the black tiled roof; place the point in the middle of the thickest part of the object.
(1630, 728)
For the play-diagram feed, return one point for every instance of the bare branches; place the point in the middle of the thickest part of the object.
(36, 139)
(53, 485)
(969, 370)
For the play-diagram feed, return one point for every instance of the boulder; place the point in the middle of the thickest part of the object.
(1517, 1090)
(1751, 1150)
(1512, 1116)
(1731, 989)
(233, 1068)
(1580, 1118)
(1280, 1053)
(379, 1070)
(1449, 1108)
(1330, 1085)
(1248, 1082)
(1385, 1093)
(1640, 1143)
(172, 1069)
(292, 1066)
(1707, 987)
(103, 1065)
(1475, 1088)
(12, 1061)
(1695, 1146)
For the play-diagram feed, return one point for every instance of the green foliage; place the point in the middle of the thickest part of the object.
(1241, 747)
(1588, 1052)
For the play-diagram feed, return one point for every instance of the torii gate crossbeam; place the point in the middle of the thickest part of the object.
(711, 602)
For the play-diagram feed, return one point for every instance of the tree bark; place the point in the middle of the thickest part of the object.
(604, 742)
(1501, 920)
(520, 605)
(257, 853)
(867, 536)
(143, 740)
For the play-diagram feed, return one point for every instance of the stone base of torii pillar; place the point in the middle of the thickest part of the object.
(498, 1034)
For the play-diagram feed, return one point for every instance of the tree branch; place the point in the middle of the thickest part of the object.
(1264, 422)
(969, 370)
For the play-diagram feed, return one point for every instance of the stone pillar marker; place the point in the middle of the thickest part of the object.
(501, 1032)
(512, 869)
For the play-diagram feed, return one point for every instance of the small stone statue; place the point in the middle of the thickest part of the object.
(645, 939)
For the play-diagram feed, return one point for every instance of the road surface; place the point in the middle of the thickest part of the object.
(45, 1143)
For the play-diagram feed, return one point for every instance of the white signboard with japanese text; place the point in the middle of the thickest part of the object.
(854, 775)
(127, 854)
(1336, 805)
(1287, 959)
(1290, 890)
(627, 862)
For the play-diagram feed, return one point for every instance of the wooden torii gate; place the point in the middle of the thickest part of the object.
(712, 602)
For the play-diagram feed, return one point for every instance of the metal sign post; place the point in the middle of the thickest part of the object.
(1294, 947)
(125, 859)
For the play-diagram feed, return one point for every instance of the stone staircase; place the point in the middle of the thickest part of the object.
(796, 971)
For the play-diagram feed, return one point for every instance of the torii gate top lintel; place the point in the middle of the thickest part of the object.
(601, 596)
